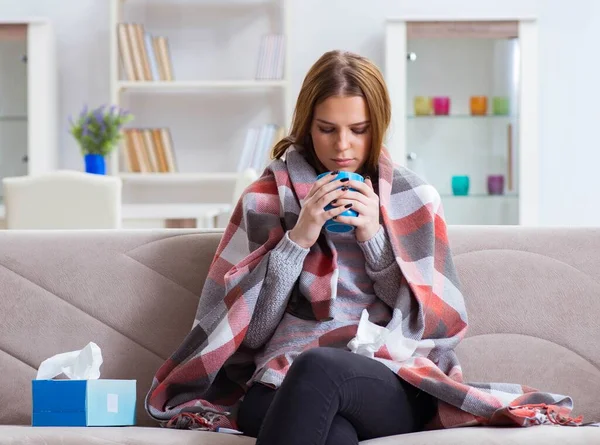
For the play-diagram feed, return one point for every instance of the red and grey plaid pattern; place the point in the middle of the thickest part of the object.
(207, 374)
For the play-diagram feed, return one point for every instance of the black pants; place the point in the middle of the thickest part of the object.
(333, 397)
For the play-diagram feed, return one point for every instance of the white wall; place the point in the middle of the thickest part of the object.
(569, 73)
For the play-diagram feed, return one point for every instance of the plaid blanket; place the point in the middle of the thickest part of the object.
(201, 385)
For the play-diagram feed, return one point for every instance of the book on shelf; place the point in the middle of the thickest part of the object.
(148, 150)
(144, 57)
(271, 57)
(258, 144)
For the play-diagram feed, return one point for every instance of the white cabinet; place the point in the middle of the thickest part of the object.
(440, 70)
(28, 89)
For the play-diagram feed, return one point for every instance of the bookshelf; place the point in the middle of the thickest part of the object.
(216, 93)
(177, 178)
(158, 87)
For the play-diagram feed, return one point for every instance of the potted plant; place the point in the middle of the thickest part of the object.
(98, 133)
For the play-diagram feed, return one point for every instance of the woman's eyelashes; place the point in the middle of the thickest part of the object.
(362, 130)
(326, 130)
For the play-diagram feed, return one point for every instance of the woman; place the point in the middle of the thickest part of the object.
(309, 337)
(331, 395)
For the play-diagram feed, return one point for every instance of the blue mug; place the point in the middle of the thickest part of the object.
(331, 225)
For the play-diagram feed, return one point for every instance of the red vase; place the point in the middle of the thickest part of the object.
(441, 106)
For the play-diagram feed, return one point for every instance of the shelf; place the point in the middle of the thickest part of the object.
(207, 3)
(164, 211)
(181, 85)
(176, 178)
(173, 211)
(13, 118)
(461, 117)
(479, 196)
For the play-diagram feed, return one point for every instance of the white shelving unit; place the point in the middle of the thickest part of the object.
(153, 178)
(29, 107)
(527, 157)
(199, 85)
(29, 110)
(226, 94)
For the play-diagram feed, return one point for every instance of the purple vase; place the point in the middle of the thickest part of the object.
(495, 184)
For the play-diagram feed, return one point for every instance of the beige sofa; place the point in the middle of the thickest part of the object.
(533, 297)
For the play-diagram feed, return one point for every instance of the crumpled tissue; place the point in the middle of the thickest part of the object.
(75, 365)
(371, 337)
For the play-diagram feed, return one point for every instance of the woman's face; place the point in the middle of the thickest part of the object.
(341, 133)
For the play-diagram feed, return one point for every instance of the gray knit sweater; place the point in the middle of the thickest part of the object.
(368, 279)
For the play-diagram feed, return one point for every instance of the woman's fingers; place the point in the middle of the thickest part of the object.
(320, 183)
(333, 197)
(356, 221)
(335, 212)
(352, 197)
(365, 189)
(357, 206)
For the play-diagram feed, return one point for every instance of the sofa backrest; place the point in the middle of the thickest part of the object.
(533, 299)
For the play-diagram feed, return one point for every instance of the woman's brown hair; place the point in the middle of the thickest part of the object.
(339, 73)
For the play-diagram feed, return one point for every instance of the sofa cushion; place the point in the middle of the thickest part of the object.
(548, 435)
(26, 435)
(532, 299)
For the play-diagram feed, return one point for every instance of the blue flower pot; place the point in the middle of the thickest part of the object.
(95, 163)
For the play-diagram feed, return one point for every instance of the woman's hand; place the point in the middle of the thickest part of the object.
(313, 214)
(366, 203)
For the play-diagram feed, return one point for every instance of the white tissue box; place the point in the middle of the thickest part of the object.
(98, 402)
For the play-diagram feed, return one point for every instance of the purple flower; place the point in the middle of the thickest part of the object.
(84, 112)
(85, 128)
(99, 116)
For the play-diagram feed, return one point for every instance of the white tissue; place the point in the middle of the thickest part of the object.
(371, 337)
(76, 365)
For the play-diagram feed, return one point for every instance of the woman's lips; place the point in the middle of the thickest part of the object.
(343, 162)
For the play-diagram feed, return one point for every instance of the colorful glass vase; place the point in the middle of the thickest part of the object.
(500, 105)
(479, 105)
(422, 105)
(495, 184)
(460, 185)
(441, 106)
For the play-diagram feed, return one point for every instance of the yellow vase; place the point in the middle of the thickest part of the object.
(423, 106)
